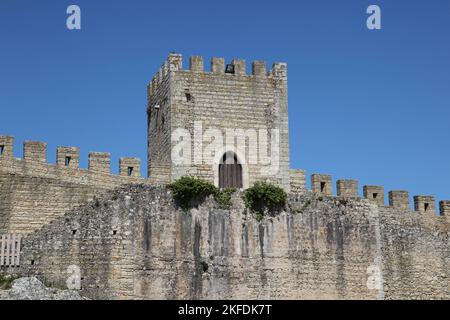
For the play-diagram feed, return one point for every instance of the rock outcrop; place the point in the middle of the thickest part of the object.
(33, 289)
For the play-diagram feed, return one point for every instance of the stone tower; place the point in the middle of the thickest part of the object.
(222, 125)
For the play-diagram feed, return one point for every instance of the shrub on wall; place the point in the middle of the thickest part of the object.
(265, 199)
(189, 192)
(223, 197)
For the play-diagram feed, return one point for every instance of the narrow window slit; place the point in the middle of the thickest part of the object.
(130, 171)
(427, 205)
(67, 161)
(322, 186)
(2, 148)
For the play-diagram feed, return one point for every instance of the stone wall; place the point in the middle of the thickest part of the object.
(34, 192)
(298, 181)
(159, 123)
(416, 254)
(135, 243)
(242, 108)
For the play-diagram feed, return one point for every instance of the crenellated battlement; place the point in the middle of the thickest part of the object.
(67, 160)
(100, 162)
(236, 67)
(321, 184)
(35, 192)
(68, 157)
(34, 151)
(70, 214)
(130, 167)
(444, 207)
(6, 148)
(219, 94)
(35, 163)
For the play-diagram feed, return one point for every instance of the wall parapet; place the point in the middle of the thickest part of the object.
(35, 151)
(68, 157)
(374, 193)
(98, 173)
(6, 147)
(347, 188)
(298, 181)
(236, 67)
(100, 162)
(444, 207)
(424, 204)
(399, 199)
(321, 184)
(130, 167)
(35, 163)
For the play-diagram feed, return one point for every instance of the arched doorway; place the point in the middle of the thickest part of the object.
(230, 171)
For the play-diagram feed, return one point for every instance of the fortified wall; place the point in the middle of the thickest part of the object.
(133, 242)
(34, 192)
(136, 244)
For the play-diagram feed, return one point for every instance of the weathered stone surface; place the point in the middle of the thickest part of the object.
(226, 102)
(347, 188)
(135, 244)
(34, 192)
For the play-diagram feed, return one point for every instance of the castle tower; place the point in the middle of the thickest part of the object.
(222, 125)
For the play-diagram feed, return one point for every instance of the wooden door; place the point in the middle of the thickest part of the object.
(230, 172)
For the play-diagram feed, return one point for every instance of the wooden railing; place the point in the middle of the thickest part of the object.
(10, 250)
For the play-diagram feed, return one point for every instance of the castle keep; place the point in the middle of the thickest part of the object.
(130, 241)
(242, 109)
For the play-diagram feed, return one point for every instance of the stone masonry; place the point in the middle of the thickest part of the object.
(136, 244)
(34, 192)
(242, 108)
(131, 241)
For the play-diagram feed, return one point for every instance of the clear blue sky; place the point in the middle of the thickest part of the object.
(370, 105)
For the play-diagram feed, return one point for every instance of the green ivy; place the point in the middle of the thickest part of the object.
(265, 198)
(188, 192)
(223, 197)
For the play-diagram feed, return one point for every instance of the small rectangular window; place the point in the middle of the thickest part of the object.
(2, 148)
(130, 171)
(375, 195)
(229, 68)
(67, 161)
(322, 186)
(427, 205)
